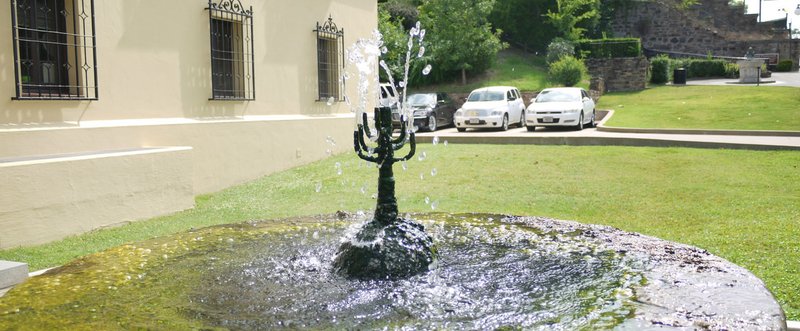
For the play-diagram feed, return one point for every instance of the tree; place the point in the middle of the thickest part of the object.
(394, 38)
(459, 36)
(523, 24)
(574, 17)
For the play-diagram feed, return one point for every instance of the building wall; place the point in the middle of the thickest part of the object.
(154, 75)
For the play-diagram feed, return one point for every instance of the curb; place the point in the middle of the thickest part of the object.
(792, 326)
(608, 113)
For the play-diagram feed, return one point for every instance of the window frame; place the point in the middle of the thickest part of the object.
(329, 71)
(234, 45)
(72, 73)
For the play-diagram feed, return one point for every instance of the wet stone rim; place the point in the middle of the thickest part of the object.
(687, 287)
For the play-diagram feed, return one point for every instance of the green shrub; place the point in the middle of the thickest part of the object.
(705, 68)
(784, 66)
(567, 71)
(731, 70)
(558, 49)
(609, 48)
(659, 69)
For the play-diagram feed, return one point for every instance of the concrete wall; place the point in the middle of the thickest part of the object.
(154, 75)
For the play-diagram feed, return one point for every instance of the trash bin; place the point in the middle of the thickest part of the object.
(679, 76)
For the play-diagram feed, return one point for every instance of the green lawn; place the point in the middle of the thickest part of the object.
(706, 107)
(741, 205)
(527, 72)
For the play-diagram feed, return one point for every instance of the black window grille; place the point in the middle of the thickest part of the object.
(330, 60)
(55, 53)
(232, 65)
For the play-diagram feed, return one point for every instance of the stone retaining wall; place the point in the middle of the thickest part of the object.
(619, 74)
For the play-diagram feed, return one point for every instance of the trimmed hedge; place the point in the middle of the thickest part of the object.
(609, 48)
(659, 69)
(784, 66)
(704, 68)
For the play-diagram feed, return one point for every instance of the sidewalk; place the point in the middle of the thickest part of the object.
(780, 78)
(593, 137)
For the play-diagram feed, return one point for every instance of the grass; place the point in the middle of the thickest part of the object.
(527, 72)
(741, 205)
(706, 107)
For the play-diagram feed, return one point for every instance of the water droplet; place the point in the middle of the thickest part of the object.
(339, 171)
(384, 50)
(435, 140)
(330, 101)
(422, 156)
(318, 187)
(421, 176)
(328, 151)
(445, 143)
(418, 25)
(413, 32)
(421, 34)
(421, 51)
(363, 190)
(374, 195)
(401, 84)
(405, 165)
(427, 200)
(315, 235)
(434, 172)
(434, 205)
(427, 70)
(347, 101)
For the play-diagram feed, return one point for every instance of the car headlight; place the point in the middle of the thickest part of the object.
(459, 112)
(575, 110)
(497, 112)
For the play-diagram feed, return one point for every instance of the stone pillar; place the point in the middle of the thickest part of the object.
(749, 70)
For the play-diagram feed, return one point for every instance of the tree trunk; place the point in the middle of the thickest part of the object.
(463, 76)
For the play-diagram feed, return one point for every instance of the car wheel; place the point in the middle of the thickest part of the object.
(522, 119)
(580, 123)
(504, 126)
(531, 128)
(461, 129)
(432, 122)
(592, 122)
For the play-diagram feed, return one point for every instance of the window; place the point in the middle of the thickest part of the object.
(330, 60)
(54, 49)
(232, 66)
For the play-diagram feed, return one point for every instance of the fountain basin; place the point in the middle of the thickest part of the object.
(493, 271)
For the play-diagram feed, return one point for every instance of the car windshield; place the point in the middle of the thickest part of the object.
(422, 99)
(558, 96)
(486, 96)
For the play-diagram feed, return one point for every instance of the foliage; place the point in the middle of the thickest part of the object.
(702, 68)
(731, 70)
(574, 17)
(659, 69)
(558, 49)
(403, 10)
(523, 24)
(609, 48)
(784, 66)
(706, 107)
(459, 37)
(568, 71)
(395, 39)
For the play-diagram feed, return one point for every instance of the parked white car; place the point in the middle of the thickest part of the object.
(491, 107)
(561, 106)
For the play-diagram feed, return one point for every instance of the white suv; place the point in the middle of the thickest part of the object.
(491, 107)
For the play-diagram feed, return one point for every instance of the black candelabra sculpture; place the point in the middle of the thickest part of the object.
(387, 246)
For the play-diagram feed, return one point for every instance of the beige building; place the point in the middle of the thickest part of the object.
(119, 110)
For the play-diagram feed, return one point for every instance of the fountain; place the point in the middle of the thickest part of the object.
(495, 272)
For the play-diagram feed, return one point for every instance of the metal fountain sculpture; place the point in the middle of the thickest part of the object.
(387, 246)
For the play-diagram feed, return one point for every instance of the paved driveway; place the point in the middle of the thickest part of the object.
(779, 78)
